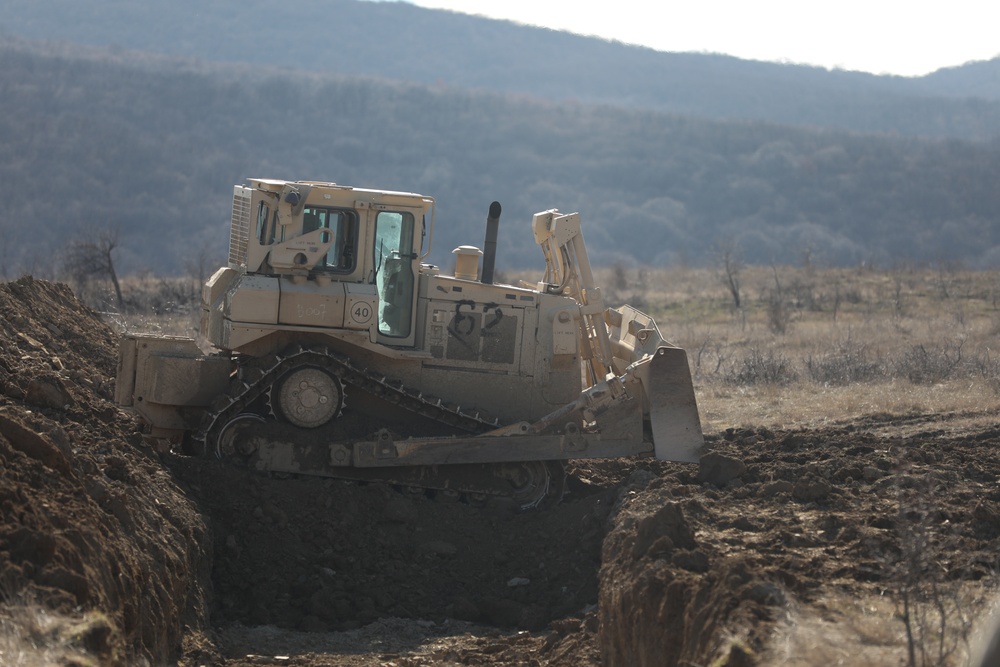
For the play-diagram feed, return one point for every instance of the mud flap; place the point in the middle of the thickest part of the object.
(673, 412)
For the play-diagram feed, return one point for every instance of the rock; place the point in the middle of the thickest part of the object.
(772, 489)
(61, 439)
(693, 560)
(30, 341)
(275, 514)
(811, 489)
(48, 391)
(534, 618)
(766, 594)
(33, 444)
(464, 609)
(717, 469)
(640, 479)
(400, 510)
(437, 548)
(987, 512)
(663, 546)
(871, 473)
(668, 521)
(503, 613)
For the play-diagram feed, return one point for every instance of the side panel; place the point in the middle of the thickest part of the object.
(360, 307)
(490, 346)
(254, 299)
(558, 353)
(468, 325)
(475, 335)
(312, 304)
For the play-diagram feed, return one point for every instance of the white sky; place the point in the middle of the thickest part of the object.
(906, 37)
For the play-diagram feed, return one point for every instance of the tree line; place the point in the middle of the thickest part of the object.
(153, 147)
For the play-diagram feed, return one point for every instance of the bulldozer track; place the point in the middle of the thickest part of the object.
(255, 378)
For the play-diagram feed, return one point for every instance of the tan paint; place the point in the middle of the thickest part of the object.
(517, 353)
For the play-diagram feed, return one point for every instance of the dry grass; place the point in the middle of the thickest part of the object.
(31, 636)
(814, 346)
(852, 631)
(167, 306)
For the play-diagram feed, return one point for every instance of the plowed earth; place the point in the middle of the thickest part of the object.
(167, 559)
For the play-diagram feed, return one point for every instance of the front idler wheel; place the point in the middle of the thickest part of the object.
(234, 436)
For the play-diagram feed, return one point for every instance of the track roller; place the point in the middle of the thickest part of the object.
(308, 397)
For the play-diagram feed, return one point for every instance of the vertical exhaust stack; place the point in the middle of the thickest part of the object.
(490, 246)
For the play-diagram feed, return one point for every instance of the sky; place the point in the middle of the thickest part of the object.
(904, 37)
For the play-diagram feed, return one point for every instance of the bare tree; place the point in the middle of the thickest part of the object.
(778, 312)
(199, 264)
(731, 260)
(91, 257)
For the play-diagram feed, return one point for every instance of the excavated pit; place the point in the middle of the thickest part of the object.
(163, 559)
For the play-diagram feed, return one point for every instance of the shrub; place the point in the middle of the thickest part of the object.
(846, 365)
(923, 364)
(759, 367)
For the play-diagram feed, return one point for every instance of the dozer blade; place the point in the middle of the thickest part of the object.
(673, 412)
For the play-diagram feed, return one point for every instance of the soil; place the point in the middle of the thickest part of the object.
(179, 560)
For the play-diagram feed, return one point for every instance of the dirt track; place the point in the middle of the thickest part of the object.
(644, 563)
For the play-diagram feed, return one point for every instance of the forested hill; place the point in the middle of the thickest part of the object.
(401, 42)
(153, 147)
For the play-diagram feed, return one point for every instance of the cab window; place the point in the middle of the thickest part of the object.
(344, 225)
(394, 272)
(265, 231)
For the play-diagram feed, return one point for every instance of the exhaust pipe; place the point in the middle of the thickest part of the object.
(490, 246)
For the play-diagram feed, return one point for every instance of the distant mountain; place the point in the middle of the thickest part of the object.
(976, 79)
(401, 42)
(151, 145)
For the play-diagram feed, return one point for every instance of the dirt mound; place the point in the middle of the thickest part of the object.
(700, 564)
(91, 521)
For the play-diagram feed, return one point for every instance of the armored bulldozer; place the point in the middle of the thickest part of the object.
(328, 346)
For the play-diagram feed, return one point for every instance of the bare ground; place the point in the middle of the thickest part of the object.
(161, 559)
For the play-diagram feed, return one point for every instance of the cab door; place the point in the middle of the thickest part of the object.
(396, 260)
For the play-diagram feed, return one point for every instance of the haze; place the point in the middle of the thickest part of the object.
(881, 37)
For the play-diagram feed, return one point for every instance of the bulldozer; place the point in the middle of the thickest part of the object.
(329, 346)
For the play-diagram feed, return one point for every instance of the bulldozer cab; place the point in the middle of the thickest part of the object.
(324, 255)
